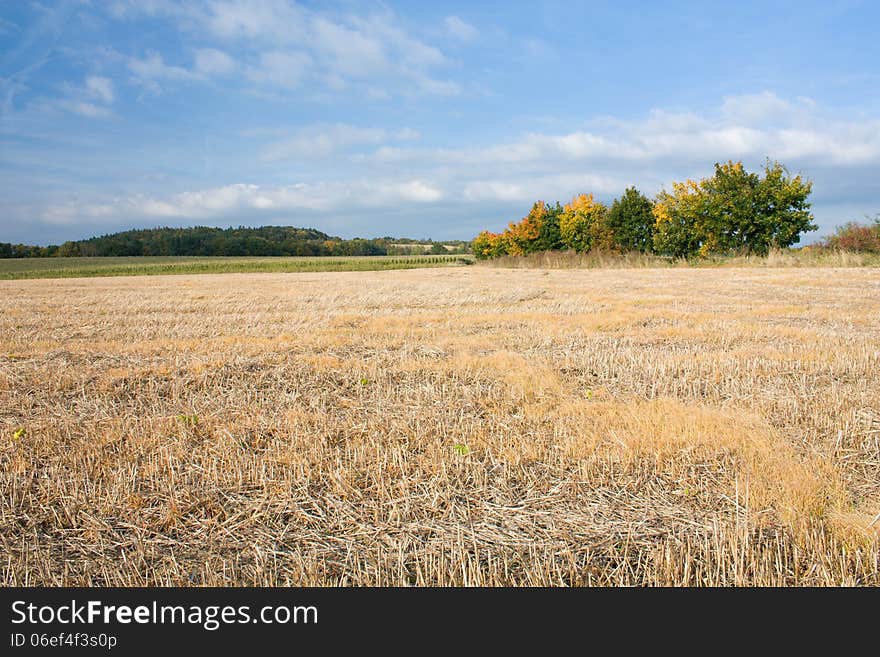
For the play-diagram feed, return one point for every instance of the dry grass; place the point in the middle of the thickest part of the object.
(810, 256)
(472, 426)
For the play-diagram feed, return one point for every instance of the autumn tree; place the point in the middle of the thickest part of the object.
(678, 227)
(631, 220)
(522, 236)
(583, 225)
(489, 245)
(734, 211)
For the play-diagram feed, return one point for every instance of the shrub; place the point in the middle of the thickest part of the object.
(856, 237)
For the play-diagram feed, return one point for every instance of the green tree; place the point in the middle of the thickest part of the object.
(747, 213)
(782, 206)
(734, 211)
(549, 235)
(69, 249)
(631, 220)
(678, 220)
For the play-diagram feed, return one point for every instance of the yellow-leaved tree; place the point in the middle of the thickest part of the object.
(489, 245)
(583, 225)
(679, 216)
(733, 211)
(522, 237)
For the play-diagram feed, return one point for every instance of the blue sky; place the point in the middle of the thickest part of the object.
(417, 119)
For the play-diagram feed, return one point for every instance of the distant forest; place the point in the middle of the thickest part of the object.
(205, 241)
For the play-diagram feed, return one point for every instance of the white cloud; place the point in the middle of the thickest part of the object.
(218, 202)
(407, 134)
(375, 93)
(459, 29)
(90, 100)
(89, 110)
(322, 140)
(210, 61)
(335, 82)
(482, 190)
(101, 89)
(133, 8)
(409, 52)
(348, 52)
(539, 49)
(434, 87)
(367, 172)
(283, 69)
(757, 108)
(374, 50)
(807, 137)
(153, 67)
(7, 26)
(417, 191)
(273, 20)
(528, 189)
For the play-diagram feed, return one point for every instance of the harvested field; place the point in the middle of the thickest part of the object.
(455, 426)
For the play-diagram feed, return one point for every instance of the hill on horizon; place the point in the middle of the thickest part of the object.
(210, 241)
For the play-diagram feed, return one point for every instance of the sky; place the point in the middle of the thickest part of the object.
(418, 119)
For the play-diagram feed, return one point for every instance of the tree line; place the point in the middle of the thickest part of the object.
(731, 212)
(241, 241)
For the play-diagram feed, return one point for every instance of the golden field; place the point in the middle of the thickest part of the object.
(467, 426)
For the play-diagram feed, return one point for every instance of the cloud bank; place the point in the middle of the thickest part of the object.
(389, 169)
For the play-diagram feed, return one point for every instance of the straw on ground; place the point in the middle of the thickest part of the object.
(472, 426)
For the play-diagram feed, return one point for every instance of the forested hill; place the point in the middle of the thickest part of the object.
(205, 241)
